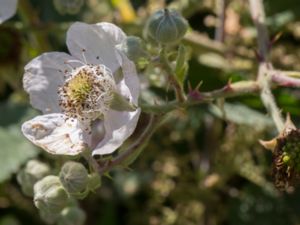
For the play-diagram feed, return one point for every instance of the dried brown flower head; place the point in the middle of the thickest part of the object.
(286, 160)
(286, 157)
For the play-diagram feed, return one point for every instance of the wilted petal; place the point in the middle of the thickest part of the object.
(118, 127)
(98, 41)
(7, 9)
(43, 75)
(56, 135)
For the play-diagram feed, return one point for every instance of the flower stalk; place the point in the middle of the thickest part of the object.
(180, 96)
(137, 146)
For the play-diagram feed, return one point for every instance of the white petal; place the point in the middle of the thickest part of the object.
(7, 9)
(118, 127)
(130, 85)
(98, 41)
(43, 75)
(56, 135)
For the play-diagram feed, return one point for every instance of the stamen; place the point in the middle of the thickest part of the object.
(88, 92)
(68, 64)
(83, 55)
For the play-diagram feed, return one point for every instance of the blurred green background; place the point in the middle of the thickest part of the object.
(204, 166)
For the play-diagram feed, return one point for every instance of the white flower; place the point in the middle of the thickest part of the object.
(7, 9)
(76, 92)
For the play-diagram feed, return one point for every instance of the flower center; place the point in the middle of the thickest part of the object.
(88, 93)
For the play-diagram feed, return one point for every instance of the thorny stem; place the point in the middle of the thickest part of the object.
(265, 68)
(268, 98)
(258, 16)
(137, 146)
(170, 73)
(221, 11)
(239, 88)
(285, 78)
(196, 97)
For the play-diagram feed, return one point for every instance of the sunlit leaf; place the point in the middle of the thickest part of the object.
(241, 114)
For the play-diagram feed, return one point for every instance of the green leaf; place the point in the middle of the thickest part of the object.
(9, 220)
(242, 114)
(15, 150)
(181, 64)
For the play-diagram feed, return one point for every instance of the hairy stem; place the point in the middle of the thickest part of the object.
(268, 98)
(137, 146)
(196, 97)
(265, 67)
(220, 28)
(258, 16)
(286, 78)
(170, 73)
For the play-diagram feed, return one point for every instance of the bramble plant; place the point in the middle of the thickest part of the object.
(104, 99)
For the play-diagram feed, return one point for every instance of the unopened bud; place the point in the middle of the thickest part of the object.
(72, 216)
(49, 218)
(133, 48)
(49, 195)
(33, 171)
(68, 6)
(74, 177)
(166, 26)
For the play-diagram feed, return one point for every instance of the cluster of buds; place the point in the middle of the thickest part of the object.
(286, 157)
(54, 195)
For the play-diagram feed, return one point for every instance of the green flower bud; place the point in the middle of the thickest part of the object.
(49, 218)
(33, 171)
(166, 26)
(72, 216)
(74, 177)
(68, 6)
(49, 195)
(132, 46)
